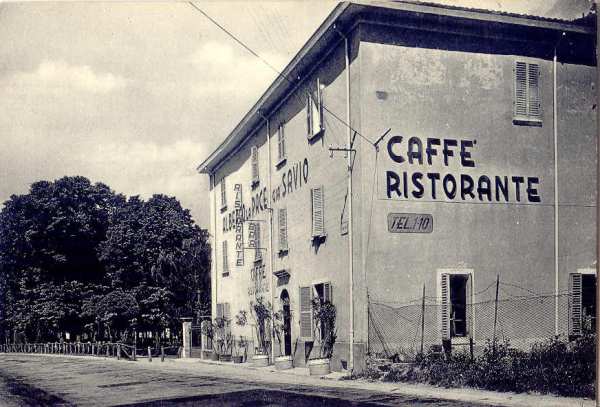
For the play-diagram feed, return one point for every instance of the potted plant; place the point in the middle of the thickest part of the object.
(325, 334)
(227, 348)
(223, 339)
(261, 313)
(207, 330)
(241, 319)
(280, 330)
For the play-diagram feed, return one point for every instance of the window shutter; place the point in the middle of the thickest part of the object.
(225, 261)
(257, 252)
(533, 75)
(320, 106)
(575, 289)
(306, 323)
(223, 193)
(327, 292)
(283, 238)
(521, 89)
(318, 218)
(226, 311)
(309, 116)
(219, 310)
(445, 309)
(281, 142)
(254, 159)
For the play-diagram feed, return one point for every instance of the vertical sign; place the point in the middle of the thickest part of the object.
(252, 235)
(239, 226)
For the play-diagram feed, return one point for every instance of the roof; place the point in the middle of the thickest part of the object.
(344, 17)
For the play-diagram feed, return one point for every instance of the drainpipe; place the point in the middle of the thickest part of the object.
(270, 211)
(556, 230)
(350, 245)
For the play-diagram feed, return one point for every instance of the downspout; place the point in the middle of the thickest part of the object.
(350, 243)
(270, 211)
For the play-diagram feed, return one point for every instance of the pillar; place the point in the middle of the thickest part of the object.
(187, 337)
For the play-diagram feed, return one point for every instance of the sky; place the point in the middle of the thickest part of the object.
(136, 95)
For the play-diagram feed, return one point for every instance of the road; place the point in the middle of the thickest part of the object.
(85, 381)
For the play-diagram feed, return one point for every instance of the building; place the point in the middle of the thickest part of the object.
(471, 180)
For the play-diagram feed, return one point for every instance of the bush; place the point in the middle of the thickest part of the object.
(554, 366)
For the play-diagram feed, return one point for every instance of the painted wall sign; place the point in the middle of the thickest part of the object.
(454, 186)
(410, 223)
(291, 180)
(239, 226)
(258, 279)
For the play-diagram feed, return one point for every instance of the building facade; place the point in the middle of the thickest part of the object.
(423, 159)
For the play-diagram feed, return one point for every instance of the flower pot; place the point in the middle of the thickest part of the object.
(238, 359)
(225, 358)
(319, 367)
(260, 360)
(214, 356)
(283, 362)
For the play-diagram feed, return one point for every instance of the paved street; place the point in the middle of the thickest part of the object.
(60, 380)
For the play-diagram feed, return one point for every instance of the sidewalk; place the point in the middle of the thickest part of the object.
(300, 376)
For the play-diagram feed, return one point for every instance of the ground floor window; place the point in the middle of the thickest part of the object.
(320, 292)
(582, 292)
(456, 315)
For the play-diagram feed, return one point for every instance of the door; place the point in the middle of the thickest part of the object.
(287, 323)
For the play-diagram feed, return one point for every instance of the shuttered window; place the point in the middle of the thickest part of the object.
(281, 143)
(575, 309)
(318, 212)
(445, 309)
(223, 194)
(225, 259)
(306, 321)
(254, 160)
(283, 235)
(527, 103)
(220, 310)
(257, 251)
(314, 112)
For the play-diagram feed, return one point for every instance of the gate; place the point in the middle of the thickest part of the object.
(201, 337)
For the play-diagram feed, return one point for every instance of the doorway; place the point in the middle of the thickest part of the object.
(287, 323)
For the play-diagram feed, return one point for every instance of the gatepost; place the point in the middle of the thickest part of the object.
(187, 337)
(204, 337)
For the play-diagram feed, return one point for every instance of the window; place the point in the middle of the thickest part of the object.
(254, 160)
(322, 292)
(456, 315)
(582, 310)
(223, 195)
(318, 212)
(280, 144)
(314, 113)
(225, 260)
(527, 102)
(283, 236)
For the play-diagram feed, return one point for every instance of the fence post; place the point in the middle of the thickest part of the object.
(162, 353)
(149, 354)
(423, 319)
(107, 350)
(118, 351)
(495, 313)
(134, 352)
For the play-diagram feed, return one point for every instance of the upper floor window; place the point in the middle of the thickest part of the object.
(527, 99)
(281, 153)
(314, 112)
(254, 163)
(223, 194)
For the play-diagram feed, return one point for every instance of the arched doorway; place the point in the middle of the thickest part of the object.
(285, 306)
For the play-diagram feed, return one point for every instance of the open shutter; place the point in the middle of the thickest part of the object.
(306, 323)
(445, 309)
(223, 193)
(533, 91)
(320, 106)
(309, 130)
(280, 142)
(327, 292)
(318, 210)
(225, 260)
(283, 238)
(254, 159)
(469, 306)
(575, 289)
(521, 89)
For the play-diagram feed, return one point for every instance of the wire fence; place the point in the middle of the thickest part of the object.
(401, 331)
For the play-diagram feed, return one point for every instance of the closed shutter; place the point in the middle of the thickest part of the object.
(283, 238)
(219, 310)
(254, 159)
(521, 89)
(281, 142)
(318, 212)
(257, 252)
(306, 323)
(225, 260)
(226, 311)
(533, 75)
(445, 309)
(575, 289)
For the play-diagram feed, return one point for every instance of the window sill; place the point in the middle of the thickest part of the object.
(254, 183)
(315, 136)
(527, 121)
(281, 163)
(283, 252)
(225, 274)
(223, 208)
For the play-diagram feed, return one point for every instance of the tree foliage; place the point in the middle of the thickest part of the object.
(76, 257)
